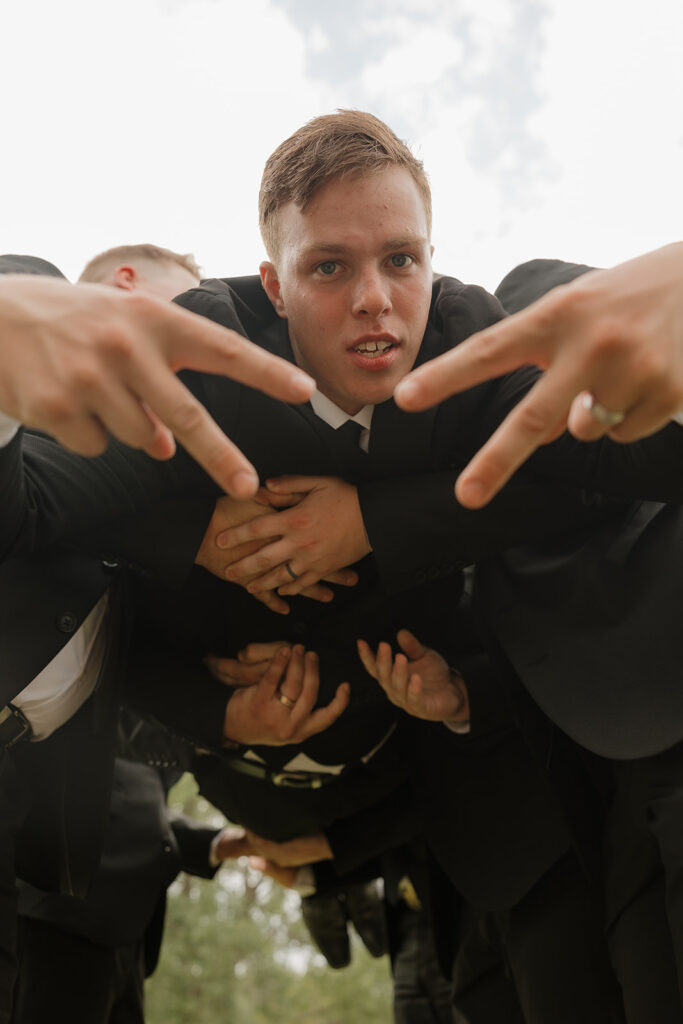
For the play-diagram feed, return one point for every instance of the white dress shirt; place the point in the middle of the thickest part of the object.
(66, 682)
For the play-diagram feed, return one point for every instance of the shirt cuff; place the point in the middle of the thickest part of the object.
(304, 881)
(214, 860)
(678, 418)
(8, 428)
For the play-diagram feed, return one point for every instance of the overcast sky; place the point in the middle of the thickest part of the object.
(548, 127)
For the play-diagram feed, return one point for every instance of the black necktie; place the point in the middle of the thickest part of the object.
(351, 432)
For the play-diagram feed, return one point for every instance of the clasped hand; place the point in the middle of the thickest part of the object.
(297, 532)
(277, 708)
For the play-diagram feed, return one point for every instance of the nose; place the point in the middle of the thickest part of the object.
(371, 295)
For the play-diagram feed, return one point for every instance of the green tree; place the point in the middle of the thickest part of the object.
(235, 949)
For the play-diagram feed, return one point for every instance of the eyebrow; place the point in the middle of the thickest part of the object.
(322, 248)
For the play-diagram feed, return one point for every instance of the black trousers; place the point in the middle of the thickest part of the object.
(543, 961)
(64, 977)
(422, 995)
(12, 810)
(644, 885)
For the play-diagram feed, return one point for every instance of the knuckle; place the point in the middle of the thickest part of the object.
(535, 417)
(115, 342)
(652, 370)
(187, 415)
(54, 405)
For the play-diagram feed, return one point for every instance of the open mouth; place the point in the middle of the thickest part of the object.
(373, 349)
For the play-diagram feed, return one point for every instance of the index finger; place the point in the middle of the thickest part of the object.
(535, 420)
(195, 343)
(505, 346)
(201, 436)
(192, 342)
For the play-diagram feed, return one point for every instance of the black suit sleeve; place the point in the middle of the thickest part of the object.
(194, 844)
(179, 691)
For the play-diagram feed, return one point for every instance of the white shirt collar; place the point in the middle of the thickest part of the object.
(335, 417)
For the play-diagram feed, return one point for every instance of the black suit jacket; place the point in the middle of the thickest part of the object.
(144, 849)
(590, 622)
(44, 600)
(56, 493)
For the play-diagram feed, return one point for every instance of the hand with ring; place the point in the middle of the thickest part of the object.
(315, 536)
(280, 708)
(222, 554)
(614, 335)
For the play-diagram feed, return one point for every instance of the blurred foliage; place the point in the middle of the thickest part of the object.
(236, 950)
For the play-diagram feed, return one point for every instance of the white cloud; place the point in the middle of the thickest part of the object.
(151, 120)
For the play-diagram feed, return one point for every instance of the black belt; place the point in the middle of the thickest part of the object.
(301, 780)
(14, 726)
(293, 780)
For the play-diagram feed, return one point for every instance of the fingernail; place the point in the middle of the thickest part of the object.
(221, 541)
(243, 484)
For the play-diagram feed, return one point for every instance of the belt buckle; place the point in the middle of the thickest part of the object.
(14, 726)
(295, 781)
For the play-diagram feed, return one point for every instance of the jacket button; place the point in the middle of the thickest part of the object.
(67, 622)
(109, 564)
(166, 846)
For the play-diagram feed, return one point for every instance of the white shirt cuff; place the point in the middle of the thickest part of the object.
(8, 428)
(214, 860)
(304, 881)
(678, 418)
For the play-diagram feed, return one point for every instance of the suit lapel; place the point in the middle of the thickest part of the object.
(400, 442)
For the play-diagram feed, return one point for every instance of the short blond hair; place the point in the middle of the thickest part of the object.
(346, 143)
(100, 266)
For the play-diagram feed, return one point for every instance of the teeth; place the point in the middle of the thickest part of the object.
(373, 348)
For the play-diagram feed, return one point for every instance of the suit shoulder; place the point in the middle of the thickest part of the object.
(213, 300)
(529, 281)
(459, 310)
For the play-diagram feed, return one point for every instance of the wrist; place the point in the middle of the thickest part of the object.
(461, 716)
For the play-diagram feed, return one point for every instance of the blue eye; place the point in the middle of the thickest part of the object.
(401, 259)
(327, 268)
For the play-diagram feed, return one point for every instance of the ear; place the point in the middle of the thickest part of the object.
(127, 278)
(271, 285)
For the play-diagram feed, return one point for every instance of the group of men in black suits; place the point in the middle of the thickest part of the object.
(548, 647)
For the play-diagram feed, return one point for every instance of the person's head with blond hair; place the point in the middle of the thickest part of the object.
(145, 267)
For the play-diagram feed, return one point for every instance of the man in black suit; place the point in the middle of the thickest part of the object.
(372, 320)
(607, 672)
(86, 959)
(61, 610)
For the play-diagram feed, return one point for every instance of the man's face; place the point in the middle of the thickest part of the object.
(354, 282)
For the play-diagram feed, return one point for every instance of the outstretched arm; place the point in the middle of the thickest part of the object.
(615, 335)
